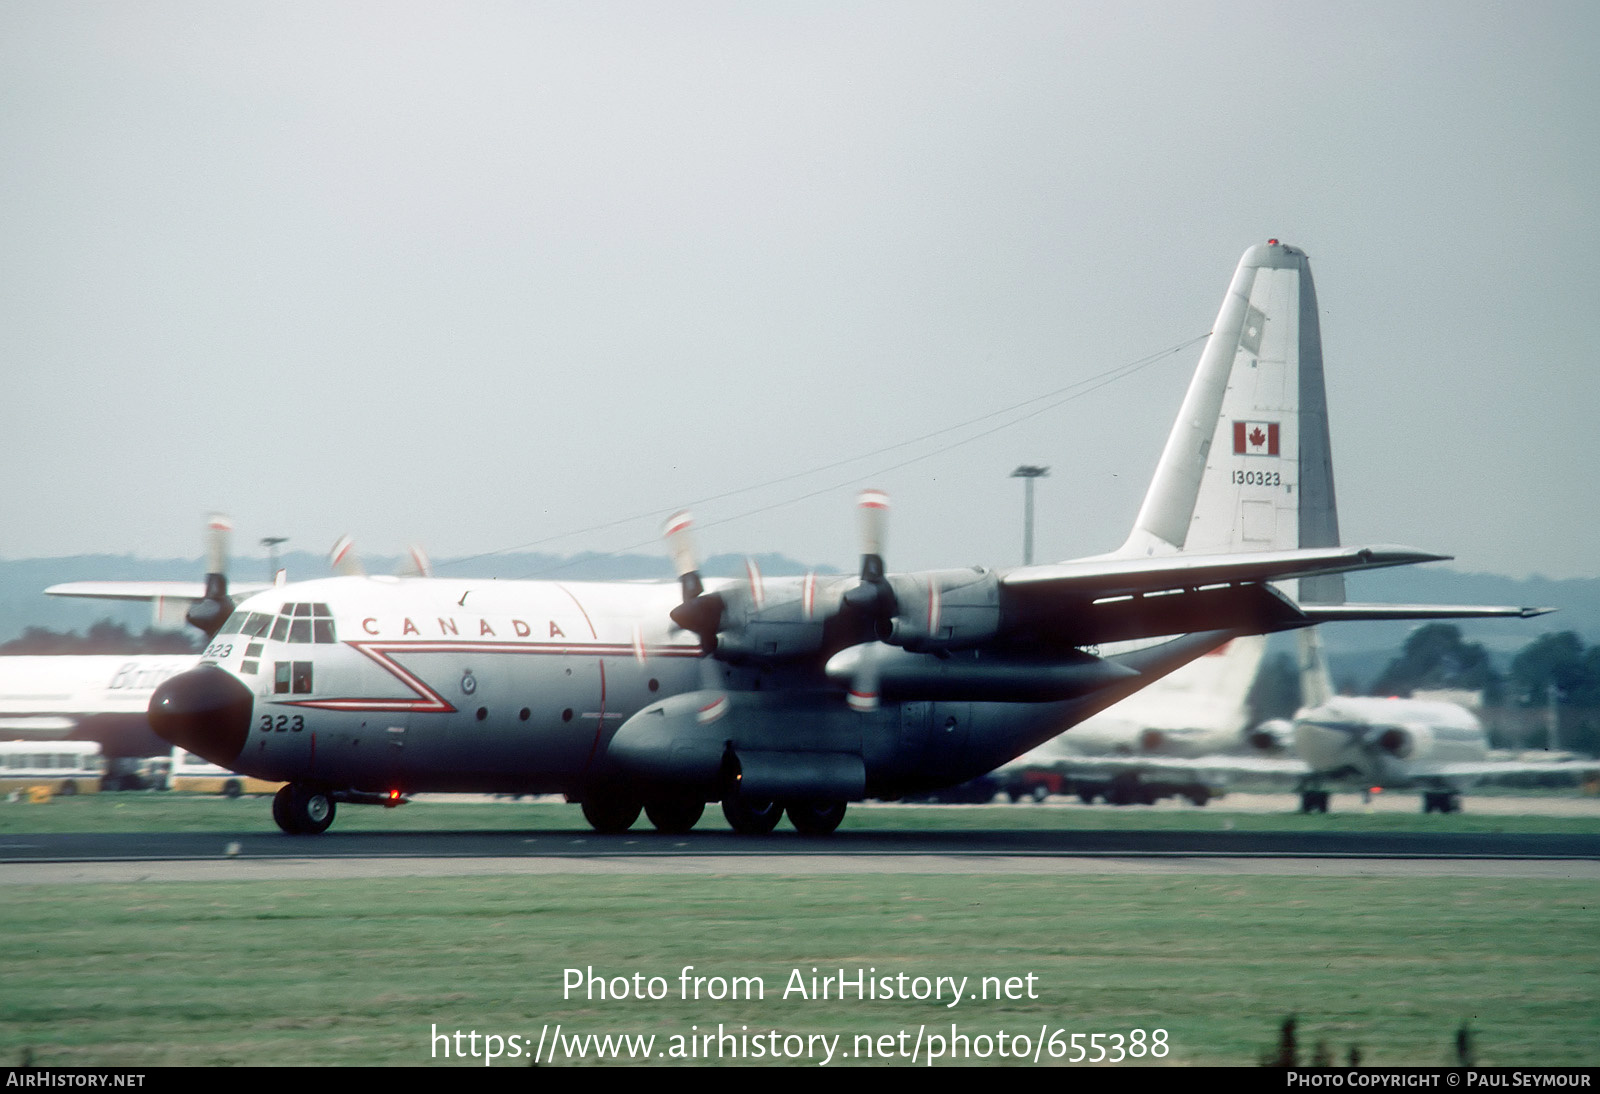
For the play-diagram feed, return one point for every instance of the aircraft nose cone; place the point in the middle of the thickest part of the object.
(204, 710)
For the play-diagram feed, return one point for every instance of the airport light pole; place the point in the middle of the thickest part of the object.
(1027, 473)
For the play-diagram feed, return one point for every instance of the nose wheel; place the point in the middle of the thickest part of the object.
(302, 810)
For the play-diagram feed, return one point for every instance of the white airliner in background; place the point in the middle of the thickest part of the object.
(95, 697)
(1366, 743)
(795, 696)
(1363, 744)
(1200, 710)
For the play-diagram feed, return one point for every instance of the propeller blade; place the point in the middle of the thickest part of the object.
(418, 564)
(700, 613)
(758, 591)
(212, 611)
(863, 696)
(680, 546)
(218, 531)
(343, 558)
(874, 596)
(872, 506)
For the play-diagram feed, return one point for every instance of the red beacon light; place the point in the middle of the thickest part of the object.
(1272, 243)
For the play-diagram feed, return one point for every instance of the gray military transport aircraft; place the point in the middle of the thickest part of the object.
(795, 695)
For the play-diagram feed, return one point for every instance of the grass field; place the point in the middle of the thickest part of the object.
(362, 971)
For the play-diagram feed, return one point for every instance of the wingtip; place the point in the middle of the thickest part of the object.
(1395, 554)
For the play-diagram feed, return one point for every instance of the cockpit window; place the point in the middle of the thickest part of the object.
(291, 677)
(234, 624)
(301, 623)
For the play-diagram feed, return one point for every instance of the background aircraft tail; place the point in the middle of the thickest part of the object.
(1316, 682)
(1248, 465)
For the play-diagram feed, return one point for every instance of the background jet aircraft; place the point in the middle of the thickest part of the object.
(1202, 709)
(102, 698)
(793, 695)
(1365, 743)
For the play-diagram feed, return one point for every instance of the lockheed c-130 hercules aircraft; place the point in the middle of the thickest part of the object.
(796, 695)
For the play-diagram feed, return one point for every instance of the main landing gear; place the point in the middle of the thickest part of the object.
(674, 816)
(1313, 801)
(613, 814)
(302, 810)
(1441, 801)
(810, 818)
(750, 818)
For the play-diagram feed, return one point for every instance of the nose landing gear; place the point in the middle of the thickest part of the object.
(302, 810)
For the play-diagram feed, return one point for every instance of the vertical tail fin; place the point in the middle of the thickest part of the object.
(1248, 465)
(1316, 682)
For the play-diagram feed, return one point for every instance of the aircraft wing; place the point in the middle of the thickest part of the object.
(1485, 770)
(1218, 764)
(1098, 578)
(149, 590)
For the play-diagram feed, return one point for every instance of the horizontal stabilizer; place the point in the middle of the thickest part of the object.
(1333, 613)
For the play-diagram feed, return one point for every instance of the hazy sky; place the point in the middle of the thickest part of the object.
(487, 275)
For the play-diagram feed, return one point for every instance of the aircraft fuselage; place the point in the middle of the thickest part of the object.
(385, 684)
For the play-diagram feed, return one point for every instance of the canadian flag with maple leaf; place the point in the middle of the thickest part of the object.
(1255, 438)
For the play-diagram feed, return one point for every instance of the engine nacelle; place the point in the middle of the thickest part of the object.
(778, 745)
(1272, 735)
(977, 676)
(1402, 742)
(776, 619)
(944, 609)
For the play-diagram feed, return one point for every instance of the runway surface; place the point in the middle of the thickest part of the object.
(36, 859)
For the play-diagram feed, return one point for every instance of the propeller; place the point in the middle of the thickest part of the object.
(700, 613)
(873, 598)
(209, 613)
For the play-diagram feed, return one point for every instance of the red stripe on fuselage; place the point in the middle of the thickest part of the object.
(429, 701)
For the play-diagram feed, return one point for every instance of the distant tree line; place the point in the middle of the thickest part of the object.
(103, 637)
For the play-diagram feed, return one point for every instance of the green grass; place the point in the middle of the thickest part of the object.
(359, 971)
(148, 812)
